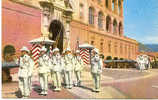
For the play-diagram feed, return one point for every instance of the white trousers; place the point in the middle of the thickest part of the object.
(23, 86)
(68, 78)
(57, 79)
(43, 78)
(78, 76)
(30, 83)
(96, 80)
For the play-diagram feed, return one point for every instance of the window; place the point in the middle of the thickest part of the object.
(120, 28)
(108, 23)
(113, 5)
(133, 50)
(107, 4)
(125, 49)
(92, 42)
(116, 48)
(109, 47)
(101, 47)
(129, 52)
(119, 7)
(115, 26)
(100, 20)
(81, 11)
(91, 15)
(121, 48)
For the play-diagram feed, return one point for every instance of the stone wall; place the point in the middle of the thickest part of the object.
(20, 23)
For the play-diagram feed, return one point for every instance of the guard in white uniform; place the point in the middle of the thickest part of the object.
(63, 68)
(96, 69)
(141, 63)
(146, 61)
(23, 73)
(56, 68)
(68, 59)
(44, 69)
(30, 74)
(78, 62)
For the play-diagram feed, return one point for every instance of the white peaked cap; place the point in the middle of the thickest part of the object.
(77, 51)
(96, 50)
(24, 48)
(43, 48)
(55, 49)
(68, 49)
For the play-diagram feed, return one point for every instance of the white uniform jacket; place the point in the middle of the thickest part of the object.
(31, 67)
(44, 64)
(56, 63)
(96, 64)
(24, 64)
(68, 59)
(78, 62)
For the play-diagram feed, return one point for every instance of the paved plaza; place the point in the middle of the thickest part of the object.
(116, 83)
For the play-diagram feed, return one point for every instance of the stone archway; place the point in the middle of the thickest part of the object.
(56, 18)
(56, 30)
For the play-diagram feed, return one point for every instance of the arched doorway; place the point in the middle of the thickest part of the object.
(56, 30)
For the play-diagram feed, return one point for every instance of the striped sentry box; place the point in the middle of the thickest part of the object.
(84, 53)
(36, 53)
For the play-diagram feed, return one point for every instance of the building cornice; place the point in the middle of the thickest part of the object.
(25, 4)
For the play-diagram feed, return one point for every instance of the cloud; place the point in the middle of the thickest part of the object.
(149, 39)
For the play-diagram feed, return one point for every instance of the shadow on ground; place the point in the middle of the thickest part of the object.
(18, 94)
(87, 88)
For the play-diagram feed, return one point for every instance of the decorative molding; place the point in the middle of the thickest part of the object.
(24, 3)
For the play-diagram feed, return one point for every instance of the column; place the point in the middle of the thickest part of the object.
(45, 17)
(122, 30)
(67, 35)
(45, 25)
(110, 5)
(116, 6)
(117, 29)
(111, 27)
(121, 8)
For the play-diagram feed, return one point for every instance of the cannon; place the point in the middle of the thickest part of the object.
(6, 66)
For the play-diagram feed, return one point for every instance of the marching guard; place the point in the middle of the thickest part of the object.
(141, 63)
(30, 74)
(68, 59)
(56, 69)
(78, 63)
(44, 69)
(25, 64)
(96, 69)
(63, 72)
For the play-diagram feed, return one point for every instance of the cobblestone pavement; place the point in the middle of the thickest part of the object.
(123, 73)
(116, 83)
(144, 88)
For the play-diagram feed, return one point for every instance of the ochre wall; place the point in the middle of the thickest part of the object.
(87, 33)
(80, 28)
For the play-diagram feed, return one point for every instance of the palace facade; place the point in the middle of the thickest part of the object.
(98, 22)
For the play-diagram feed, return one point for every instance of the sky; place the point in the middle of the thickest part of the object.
(141, 20)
